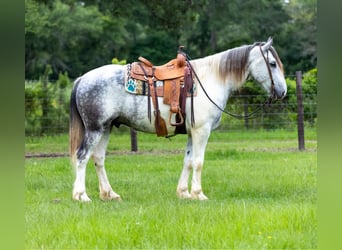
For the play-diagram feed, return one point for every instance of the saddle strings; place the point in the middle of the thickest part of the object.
(251, 115)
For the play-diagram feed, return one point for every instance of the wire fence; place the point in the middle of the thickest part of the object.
(281, 114)
(51, 118)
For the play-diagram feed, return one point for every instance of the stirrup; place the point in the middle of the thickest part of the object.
(176, 123)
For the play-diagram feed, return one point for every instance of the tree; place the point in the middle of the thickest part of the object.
(226, 24)
(300, 43)
(75, 36)
(63, 37)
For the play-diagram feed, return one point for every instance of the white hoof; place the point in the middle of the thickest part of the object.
(109, 195)
(81, 196)
(183, 194)
(198, 196)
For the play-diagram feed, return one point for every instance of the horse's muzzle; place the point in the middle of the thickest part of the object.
(278, 95)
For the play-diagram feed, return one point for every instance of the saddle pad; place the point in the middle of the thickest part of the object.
(139, 87)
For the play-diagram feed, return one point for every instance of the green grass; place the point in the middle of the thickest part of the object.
(262, 195)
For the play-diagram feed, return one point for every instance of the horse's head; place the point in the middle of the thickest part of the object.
(266, 68)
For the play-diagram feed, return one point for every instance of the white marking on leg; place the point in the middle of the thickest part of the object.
(200, 139)
(196, 186)
(106, 191)
(182, 188)
(79, 189)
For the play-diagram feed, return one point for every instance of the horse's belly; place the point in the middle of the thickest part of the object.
(135, 115)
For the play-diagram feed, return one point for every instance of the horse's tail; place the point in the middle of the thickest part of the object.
(76, 126)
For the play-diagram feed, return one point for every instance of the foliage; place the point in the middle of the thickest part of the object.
(279, 113)
(301, 33)
(309, 90)
(119, 62)
(72, 37)
(65, 40)
(47, 106)
(226, 24)
(75, 36)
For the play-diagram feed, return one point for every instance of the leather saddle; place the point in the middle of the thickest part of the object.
(171, 70)
(177, 79)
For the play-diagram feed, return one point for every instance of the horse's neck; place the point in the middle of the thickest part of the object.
(217, 88)
(207, 68)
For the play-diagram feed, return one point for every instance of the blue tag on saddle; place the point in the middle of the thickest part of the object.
(131, 86)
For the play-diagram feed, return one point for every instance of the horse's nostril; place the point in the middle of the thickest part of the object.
(283, 94)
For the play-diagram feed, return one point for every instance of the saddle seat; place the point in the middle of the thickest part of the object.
(171, 70)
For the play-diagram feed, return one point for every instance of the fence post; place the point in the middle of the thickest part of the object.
(134, 142)
(45, 123)
(300, 111)
(245, 107)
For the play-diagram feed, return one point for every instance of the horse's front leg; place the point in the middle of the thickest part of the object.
(182, 188)
(200, 140)
(106, 191)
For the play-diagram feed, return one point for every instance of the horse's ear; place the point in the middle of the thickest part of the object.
(268, 44)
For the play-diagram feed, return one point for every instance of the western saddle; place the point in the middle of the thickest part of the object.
(178, 82)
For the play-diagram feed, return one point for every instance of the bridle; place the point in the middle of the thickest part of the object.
(273, 96)
(247, 116)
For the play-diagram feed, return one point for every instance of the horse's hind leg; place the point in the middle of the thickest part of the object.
(106, 191)
(90, 141)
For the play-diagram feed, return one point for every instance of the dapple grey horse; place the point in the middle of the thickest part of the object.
(99, 101)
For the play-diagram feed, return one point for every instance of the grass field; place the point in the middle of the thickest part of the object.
(262, 195)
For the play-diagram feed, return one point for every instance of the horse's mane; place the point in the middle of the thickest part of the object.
(233, 62)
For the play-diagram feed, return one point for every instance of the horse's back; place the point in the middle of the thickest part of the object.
(104, 74)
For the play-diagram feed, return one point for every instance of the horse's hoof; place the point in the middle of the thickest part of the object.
(183, 194)
(198, 196)
(82, 197)
(109, 196)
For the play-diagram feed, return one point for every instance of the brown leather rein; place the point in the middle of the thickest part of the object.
(247, 116)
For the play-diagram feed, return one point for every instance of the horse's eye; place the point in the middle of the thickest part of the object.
(273, 64)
